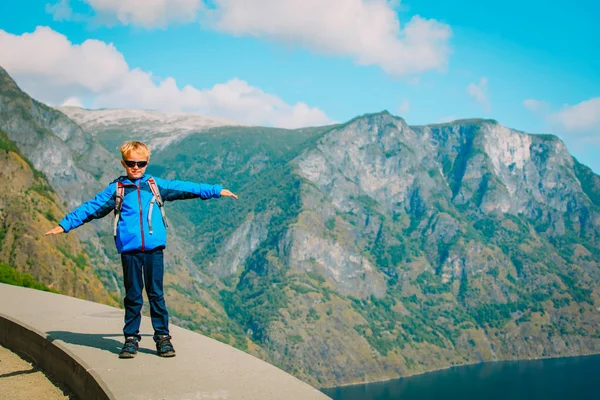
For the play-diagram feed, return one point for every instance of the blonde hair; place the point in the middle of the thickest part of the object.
(134, 145)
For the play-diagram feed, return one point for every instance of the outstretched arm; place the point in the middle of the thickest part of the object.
(171, 190)
(98, 207)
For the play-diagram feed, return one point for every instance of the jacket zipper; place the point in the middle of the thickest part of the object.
(141, 218)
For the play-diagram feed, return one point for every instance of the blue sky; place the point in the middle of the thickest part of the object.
(531, 65)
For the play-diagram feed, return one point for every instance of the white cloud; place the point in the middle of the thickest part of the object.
(72, 101)
(583, 117)
(479, 93)
(535, 105)
(60, 11)
(149, 13)
(367, 31)
(394, 4)
(145, 13)
(578, 125)
(52, 69)
(404, 108)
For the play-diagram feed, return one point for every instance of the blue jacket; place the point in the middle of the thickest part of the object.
(132, 229)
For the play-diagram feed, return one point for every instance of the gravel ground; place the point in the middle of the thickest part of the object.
(19, 380)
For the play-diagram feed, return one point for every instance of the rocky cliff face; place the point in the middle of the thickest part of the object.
(28, 208)
(76, 166)
(452, 243)
(74, 163)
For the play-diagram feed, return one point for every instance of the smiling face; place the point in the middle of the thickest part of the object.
(135, 172)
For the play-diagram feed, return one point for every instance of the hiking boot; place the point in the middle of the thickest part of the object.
(130, 347)
(164, 348)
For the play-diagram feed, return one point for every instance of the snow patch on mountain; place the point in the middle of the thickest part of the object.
(159, 128)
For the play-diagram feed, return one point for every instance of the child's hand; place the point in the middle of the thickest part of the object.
(55, 231)
(227, 193)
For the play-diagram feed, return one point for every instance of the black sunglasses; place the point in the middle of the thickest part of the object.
(131, 164)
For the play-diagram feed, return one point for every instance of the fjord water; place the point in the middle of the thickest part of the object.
(548, 379)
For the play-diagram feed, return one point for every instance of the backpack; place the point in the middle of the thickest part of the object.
(155, 199)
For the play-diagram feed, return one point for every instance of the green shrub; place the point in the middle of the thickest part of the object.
(11, 276)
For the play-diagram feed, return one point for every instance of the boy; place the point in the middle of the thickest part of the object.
(140, 237)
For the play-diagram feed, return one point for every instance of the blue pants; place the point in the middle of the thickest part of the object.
(148, 267)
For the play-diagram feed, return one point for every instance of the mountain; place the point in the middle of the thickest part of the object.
(73, 162)
(158, 128)
(28, 208)
(375, 249)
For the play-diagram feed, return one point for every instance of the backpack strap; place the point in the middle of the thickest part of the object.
(158, 200)
(118, 205)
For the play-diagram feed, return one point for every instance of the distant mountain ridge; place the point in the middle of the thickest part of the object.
(161, 128)
(371, 249)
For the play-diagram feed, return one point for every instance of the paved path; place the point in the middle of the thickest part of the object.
(90, 334)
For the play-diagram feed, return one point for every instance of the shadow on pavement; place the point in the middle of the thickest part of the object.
(96, 340)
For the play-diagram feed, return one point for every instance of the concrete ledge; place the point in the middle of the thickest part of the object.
(64, 367)
(78, 343)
